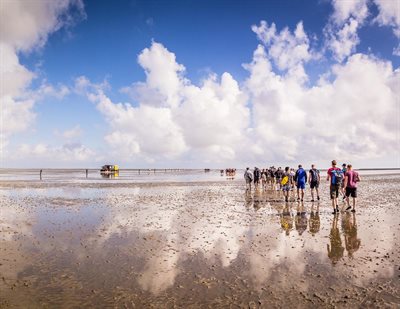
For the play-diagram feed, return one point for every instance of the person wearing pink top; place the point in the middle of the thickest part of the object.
(351, 178)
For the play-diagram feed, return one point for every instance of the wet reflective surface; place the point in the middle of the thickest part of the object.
(123, 176)
(196, 244)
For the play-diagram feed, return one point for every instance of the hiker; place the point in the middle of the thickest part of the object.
(350, 183)
(248, 177)
(292, 173)
(300, 178)
(272, 173)
(314, 180)
(335, 178)
(278, 176)
(268, 175)
(286, 183)
(257, 176)
(264, 179)
(342, 187)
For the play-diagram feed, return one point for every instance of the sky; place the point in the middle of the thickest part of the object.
(199, 84)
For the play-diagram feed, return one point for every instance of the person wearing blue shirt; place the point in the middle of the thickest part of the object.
(300, 180)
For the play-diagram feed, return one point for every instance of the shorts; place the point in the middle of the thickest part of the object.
(286, 187)
(256, 180)
(334, 191)
(301, 185)
(314, 184)
(351, 192)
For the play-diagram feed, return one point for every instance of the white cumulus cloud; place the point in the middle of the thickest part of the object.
(389, 15)
(341, 32)
(287, 50)
(276, 115)
(345, 9)
(352, 116)
(174, 117)
(69, 152)
(272, 117)
(25, 26)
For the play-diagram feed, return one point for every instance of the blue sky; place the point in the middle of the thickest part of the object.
(101, 41)
(205, 35)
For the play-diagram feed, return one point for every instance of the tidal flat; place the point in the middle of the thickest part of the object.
(196, 244)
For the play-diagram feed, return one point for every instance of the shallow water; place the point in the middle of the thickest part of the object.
(195, 244)
(134, 176)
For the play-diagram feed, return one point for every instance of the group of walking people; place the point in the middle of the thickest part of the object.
(342, 180)
(228, 172)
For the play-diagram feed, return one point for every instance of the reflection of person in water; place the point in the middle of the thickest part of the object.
(315, 221)
(349, 227)
(301, 220)
(335, 250)
(248, 200)
(257, 199)
(286, 219)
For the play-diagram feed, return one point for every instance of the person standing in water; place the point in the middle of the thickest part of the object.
(334, 177)
(314, 180)
(351, 179)
(257, 177)
(248, 177)
(342, 186)
(286, 183)
(301, 180)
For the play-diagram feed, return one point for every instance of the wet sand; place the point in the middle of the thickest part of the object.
(195, 245)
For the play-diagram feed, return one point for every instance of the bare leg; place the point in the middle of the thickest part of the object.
(334, 204)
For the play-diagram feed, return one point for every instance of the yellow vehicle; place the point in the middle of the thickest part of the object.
(110, 170)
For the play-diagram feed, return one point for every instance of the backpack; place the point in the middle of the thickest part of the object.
(249, 176)
(314, 175)
(337, 176)
(356, 178)
(300, 174)
(284, 180)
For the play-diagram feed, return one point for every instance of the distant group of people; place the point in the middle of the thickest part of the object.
(342, 180)
(229, 172)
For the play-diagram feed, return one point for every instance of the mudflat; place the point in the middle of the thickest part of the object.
(196, 244)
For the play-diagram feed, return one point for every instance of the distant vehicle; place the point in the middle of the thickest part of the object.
(109, 169)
